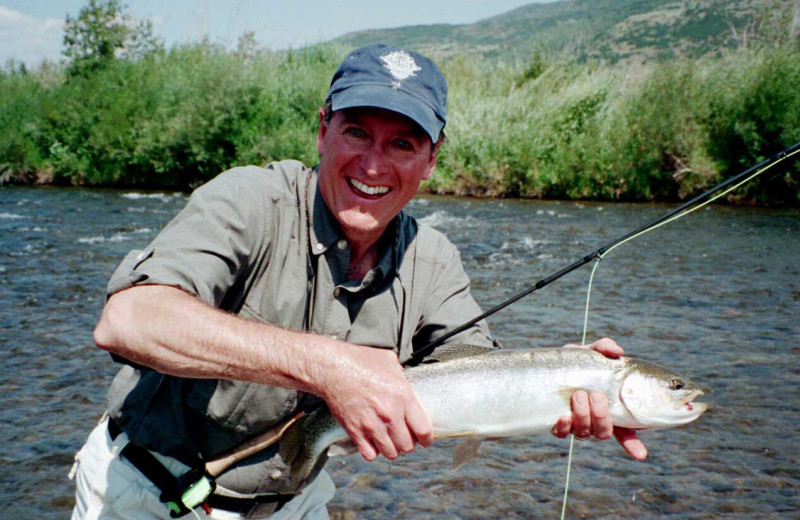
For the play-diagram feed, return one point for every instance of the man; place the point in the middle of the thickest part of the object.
(259, 298)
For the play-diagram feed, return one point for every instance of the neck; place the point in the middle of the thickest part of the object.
(364, 254)
(361, 262)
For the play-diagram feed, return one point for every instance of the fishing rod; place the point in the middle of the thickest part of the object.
(598, 254)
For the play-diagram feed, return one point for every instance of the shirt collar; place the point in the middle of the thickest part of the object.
(325, 231)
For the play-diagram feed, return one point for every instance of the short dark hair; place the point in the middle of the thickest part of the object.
(327, 107)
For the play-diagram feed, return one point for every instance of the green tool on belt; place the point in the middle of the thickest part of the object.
(192, 490)
(185, 493)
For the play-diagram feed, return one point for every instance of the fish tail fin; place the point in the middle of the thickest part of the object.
(304, 446)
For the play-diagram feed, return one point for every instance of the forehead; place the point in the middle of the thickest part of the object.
(380, 117)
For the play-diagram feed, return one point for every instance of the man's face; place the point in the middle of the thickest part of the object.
(371, 163)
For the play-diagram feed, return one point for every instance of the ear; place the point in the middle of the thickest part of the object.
(432, 161)
(322, 131)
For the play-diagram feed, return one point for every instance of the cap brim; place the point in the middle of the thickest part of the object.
(381, 96)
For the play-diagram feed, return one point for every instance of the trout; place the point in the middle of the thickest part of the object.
(505, 393)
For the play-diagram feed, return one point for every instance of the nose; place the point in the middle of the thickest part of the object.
(374, 160)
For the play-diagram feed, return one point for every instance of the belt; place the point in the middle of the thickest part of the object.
(173, 488)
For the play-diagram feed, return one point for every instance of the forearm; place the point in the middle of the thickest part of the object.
(173, 332)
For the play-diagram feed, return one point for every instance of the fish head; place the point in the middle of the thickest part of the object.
(657, 397)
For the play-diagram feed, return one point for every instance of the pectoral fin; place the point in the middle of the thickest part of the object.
(565, 393)
(342, 448)
(465, 451)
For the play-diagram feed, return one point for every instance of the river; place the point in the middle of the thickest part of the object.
(715, 296)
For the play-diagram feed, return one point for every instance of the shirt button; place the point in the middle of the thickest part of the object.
(342, 244)
(319, 247)
(336, 292)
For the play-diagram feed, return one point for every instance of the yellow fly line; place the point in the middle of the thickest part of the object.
(628, 239)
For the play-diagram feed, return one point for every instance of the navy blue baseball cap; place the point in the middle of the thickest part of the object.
(394, 79)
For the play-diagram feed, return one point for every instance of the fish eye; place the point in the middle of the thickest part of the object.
(676, 384)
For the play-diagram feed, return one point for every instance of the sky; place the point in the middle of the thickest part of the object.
(32, 30)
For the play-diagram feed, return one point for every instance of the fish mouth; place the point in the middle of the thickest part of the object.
(690, 405)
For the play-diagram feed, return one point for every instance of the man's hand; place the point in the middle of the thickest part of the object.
(372, 400)
(173, 332)
(590, 415)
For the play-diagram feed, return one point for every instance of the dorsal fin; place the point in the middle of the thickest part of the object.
(450, 352)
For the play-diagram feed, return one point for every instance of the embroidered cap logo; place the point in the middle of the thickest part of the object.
(401, 65)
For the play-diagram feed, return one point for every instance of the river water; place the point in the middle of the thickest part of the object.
(715, 296)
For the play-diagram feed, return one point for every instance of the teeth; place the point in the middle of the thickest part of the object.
(369, 190)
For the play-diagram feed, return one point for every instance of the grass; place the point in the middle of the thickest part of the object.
(551, 129)
(632, 132)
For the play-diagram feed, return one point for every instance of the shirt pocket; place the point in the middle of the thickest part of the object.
(243, 407)
(376, 317)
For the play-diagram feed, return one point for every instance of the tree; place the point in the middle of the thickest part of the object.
(101, 33)
(248, 46)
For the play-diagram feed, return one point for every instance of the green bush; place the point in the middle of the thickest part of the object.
(656, 132)
(20, 147)
(171, 119)
(543, 128)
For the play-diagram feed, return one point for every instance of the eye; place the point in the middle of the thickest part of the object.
(677, 384)
(404, 144)
(355, 131)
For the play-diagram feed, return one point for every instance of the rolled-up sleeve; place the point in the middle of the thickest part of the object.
(208, 246)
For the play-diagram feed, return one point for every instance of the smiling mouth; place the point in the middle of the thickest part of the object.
(369, 190)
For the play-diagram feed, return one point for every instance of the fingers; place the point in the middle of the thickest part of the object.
(376, 405)
(373, 436)
(590, 417)
(630, 443)
(384, 443)
(581, 415)
(419, 424)
(387, 432)
(401, 439)
(602, 426)
(563, 426)
(365, 448)
(608, 347)
(390, 438)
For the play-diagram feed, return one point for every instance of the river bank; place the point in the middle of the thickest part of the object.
(45, 179)
(542, 129)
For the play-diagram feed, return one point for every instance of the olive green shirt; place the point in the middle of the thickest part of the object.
(243, 243)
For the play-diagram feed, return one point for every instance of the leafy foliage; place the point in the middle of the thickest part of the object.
(101, 33)
(546, 127)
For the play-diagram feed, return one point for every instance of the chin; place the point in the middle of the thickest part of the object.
(359, 223)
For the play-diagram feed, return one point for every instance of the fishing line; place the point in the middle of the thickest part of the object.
(683, 210)
(583, 343)
(566, 483)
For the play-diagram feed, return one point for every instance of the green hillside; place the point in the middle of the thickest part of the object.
(611, 30)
